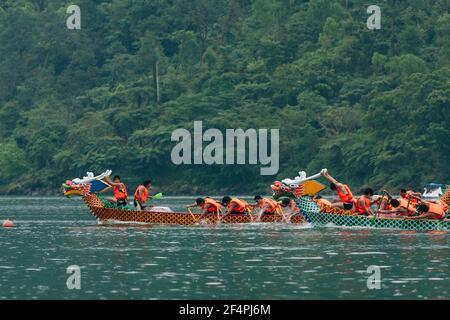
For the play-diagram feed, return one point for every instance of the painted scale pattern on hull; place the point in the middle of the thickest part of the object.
(102, 213)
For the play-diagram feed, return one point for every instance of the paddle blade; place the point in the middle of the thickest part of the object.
(158, 196)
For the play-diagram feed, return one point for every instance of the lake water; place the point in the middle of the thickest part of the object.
(260, 261)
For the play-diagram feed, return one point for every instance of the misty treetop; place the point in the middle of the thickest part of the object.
(373, 106)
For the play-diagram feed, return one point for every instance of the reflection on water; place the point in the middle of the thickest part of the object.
(261, 261)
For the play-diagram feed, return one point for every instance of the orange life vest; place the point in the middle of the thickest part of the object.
(408, 196)
(144, 195)
(239, 205)
(359, 207)
(211, 205)
(271, 205)
(346, 196)
(408, 205)
(438, 209)
(120, 192)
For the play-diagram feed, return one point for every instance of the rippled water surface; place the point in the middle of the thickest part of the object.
(260, 261)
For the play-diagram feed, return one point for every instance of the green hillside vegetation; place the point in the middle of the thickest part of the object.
(373, 106)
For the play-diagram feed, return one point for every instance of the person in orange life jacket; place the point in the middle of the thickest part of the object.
(289, 206)
(410, 195)
(431, 210)
(321, 201)
(235, 205)
(141, 195)
(364, 202)
(406, 203)
(207, 204)
(267, 206)
(119, 190)
(346, 199)
(400, 207)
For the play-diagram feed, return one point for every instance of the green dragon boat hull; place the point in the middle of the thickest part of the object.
(314, 216)
(328, 219)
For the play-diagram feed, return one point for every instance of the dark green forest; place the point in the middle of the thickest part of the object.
(373, 106)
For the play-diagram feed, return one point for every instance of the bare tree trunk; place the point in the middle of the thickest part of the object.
(156, 81)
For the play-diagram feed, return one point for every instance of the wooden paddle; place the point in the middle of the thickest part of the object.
(193, 216)
(280, 212)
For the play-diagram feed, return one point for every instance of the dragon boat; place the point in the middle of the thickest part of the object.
(322, 215)
(302, 189)
(91, 187)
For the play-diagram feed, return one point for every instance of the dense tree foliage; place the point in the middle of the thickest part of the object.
(373, 106)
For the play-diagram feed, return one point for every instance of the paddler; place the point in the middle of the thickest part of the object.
(266, 205)
(399, 207)
(235, 205)
(207, 204)
(321, 201)
(347, 201)
(364, 203)
(141, 195)
(410, 195)
(431, 210)
(288, 209)
(119, 190)
(289, 206)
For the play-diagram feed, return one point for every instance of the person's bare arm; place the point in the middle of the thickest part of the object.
(327, 176)
(335, 182)
(338, 185)
(415, 194)
(108, 179)
(384, 203)
(388, 194)
(139, 193)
